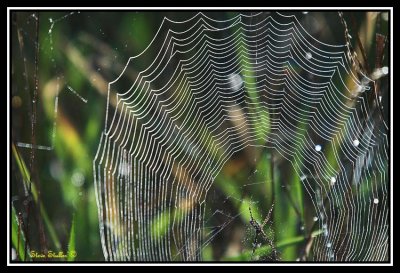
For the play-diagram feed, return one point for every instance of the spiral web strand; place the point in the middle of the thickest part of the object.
(214, 88)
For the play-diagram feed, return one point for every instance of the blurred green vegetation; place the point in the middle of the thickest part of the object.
(85, 51)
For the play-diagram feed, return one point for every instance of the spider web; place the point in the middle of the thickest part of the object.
(216, 88)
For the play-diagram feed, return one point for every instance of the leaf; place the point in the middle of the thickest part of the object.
(26, 177)
(14, 236)
(71, 242)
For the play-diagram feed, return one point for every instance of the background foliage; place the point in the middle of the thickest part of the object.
(83, 51)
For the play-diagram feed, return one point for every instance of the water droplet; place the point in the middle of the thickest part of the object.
(78, 179)
(235, 82)
(315, 218)
(302, 228)
(51, 20)
(376, 200)
(303, 177)
(356, 142)
(380, 98)
(318, 147)
(305, 12)
(333, 180)
(385, 70)
(308, 55)
(328, 245)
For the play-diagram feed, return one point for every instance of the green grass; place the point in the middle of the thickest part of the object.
(19, 245)
(265, 250)
(43, 213)
(72, 242)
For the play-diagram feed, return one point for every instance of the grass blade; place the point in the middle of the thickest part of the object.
(26, 177)
(71, 242)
